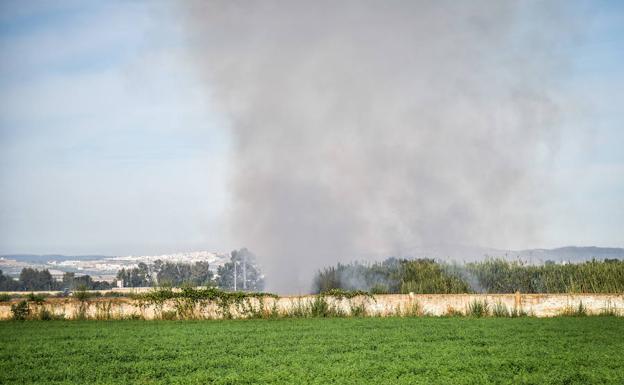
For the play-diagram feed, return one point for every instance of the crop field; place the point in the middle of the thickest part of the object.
(566, 350)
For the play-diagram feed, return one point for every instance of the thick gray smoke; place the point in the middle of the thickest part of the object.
(376, 127)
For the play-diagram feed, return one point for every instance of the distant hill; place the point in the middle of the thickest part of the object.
(37, 258)
(573, 253)
(466, 253)
(100, 265)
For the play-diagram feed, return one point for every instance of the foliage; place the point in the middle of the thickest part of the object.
(7, 283)
(348, 294)
(20, 310)
(319, 307)
(247, 273)
(41, 280)
(609, 311)
(103, 310)
(358, 310)
(578, 311)
(478, 309)
(500, 310)
(170, 273)
(187, 299)
(428, 276)
(33, 279)
(500, 276)
(36, 298)
(43, 314)
(82, 294)
(169, 315)
(5, 297)
(139, 276)
(391, 276)
(248, 277)
(413, 309)
(71, 281)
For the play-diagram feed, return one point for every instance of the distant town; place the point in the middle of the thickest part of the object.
(99, 267)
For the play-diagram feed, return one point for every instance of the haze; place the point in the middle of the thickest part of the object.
(310, 132)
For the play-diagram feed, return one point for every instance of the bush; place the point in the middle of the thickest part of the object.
(5, 297)
(20, 310)
(516, 313)
(414, 309)
(500, 276)
(428, 276)
(358, 310)
(169, 315)
(36, 298)
(579, 311)
(320, 307)
(83, 295)
(500, 310)
(478, 309)
(44, 314)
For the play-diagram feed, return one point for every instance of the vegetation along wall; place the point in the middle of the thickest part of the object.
(214, 304)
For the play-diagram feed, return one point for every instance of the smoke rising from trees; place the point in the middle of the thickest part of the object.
(365, 127)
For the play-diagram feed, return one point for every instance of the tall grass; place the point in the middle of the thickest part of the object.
(578, 311)
(427, 276)
(392, 276)
(499, 276)
(478, 309)
(500, 310)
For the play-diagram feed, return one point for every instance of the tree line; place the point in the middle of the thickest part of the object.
(241, 272)
(428, 276)
(41, 280)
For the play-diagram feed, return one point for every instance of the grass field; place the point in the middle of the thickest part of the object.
(583, 350)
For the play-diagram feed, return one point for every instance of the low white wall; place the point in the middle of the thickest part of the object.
(538, 305)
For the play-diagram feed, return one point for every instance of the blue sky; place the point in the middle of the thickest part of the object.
(109, 143)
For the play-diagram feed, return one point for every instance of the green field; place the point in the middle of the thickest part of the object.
(584, 350)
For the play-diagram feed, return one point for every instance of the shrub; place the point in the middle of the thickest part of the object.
(5, 297)
(500, 276)
(44, 314)
(274, 313)
(500, 310)
(36, 298)
(189, 300)
(299, 310)
(20, 310)
(609, 310)
(429, 276)
(516, 313)
(169, 315)
(379, 289)
(478, 309)
(358, 310)
(103, 310)
(82, 294)
(579, 311)
(348, 294)
(320, 307)
(414, 309)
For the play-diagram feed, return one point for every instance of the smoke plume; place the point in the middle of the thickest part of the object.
(365, 127)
